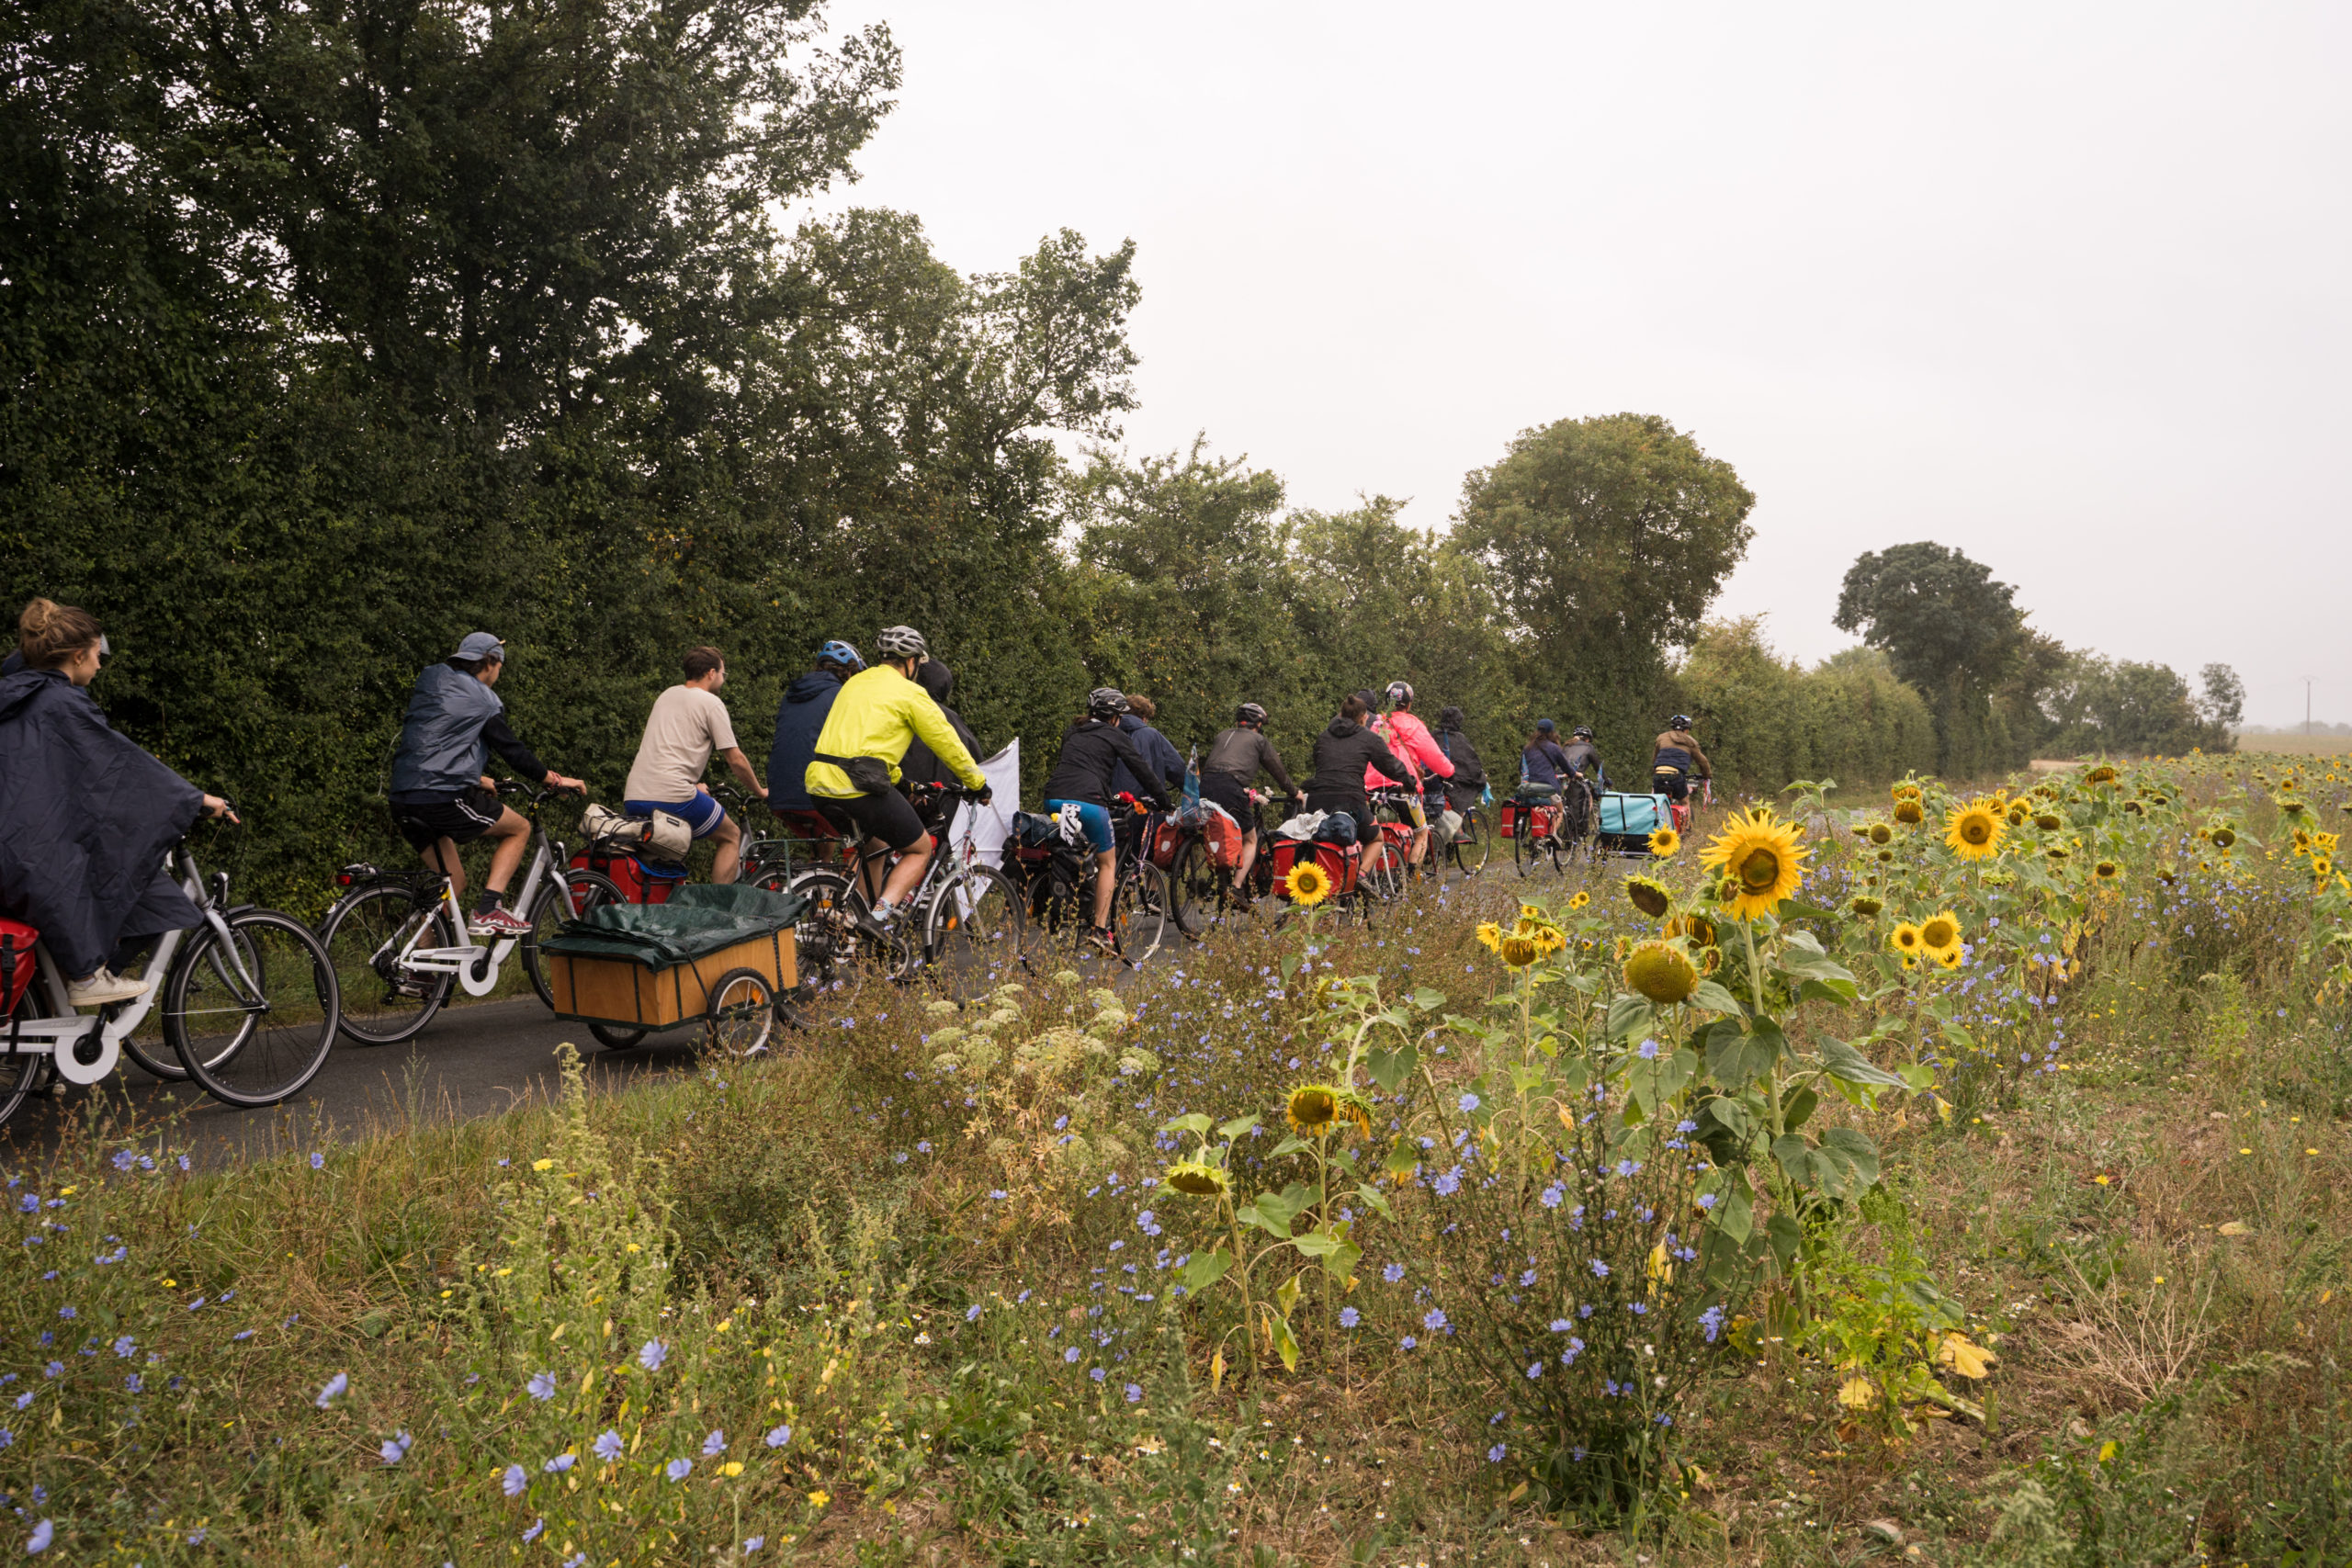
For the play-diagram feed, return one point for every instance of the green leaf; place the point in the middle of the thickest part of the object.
(1341, 1262)
(1376, 1202)
(1797, 1110)
(1287, 1297)
(1714, 998)
(1290, 966)
(1737, 1057)
(1840, 992)
(1316, 1243)
(1918, 1077)
(1735, 1214)
(1195, 1122)
(1391, 1068)
(1402, 1157)
(1272, 1213)
(1856, 1150)
(1629, 1016)
(1285, 1345)
(1840, 1166)
(1428, 1001)
(1234, 1128)
(1289, 1145)
(1842, 1061)
(1204, 1269)
(1786, 1237)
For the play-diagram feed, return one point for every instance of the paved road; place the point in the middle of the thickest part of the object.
(470, 1061)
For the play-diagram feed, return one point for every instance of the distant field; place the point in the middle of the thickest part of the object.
(2298, 745)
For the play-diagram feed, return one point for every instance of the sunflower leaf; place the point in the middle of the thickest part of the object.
(1204, 1270)
(1390, 1068)
(1194, 1122)
(1428, 1001)
(1236, 1127)
(1285, 1345)
(1714, 998)
(1629, 1016)
(1374, 1201)
(1289, 1145)
(1845, 1063)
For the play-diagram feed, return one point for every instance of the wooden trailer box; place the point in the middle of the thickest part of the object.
(633, 994)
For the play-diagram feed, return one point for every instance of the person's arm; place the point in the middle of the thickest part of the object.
(923, 716)
(520, 757)
(1431, 756)
(1167, 763)
(1124, 748)
(1706, 769)
(741, 766)
(1271, 760)
(1398, 773)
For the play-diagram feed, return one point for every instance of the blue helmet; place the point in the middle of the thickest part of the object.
(842, 654)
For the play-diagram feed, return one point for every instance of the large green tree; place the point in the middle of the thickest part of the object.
(1951, 630)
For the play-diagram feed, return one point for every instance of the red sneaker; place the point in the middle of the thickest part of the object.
(498, 923)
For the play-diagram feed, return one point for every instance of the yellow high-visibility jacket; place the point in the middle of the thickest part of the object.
(876, 713)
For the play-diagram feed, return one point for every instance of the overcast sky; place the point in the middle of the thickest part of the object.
(2063, 286)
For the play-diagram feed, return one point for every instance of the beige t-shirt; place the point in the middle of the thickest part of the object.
(686, 726)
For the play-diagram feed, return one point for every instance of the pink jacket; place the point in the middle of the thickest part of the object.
(1414, 746)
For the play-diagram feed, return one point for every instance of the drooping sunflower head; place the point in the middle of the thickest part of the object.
(1974, 830)
(2224, 836)
(1881, 833)
(1865, 905)
(2134, 809)
(1308, 884)
(2100, 775)
(1700, 929)
(1198, 1180)
(1908, 813)
(1762, 861)
(2058, 854)
(2289, 807)
(1664, 843)
(1940, 931)
(1904, 939)
(1518, 951)
(1648, 895)
(1662, 971)
(2020, 812)
(2048, 821)
(1312, 1108)
(1885, 857)
(1490, 934)
(2107, 871)
(1905, 790)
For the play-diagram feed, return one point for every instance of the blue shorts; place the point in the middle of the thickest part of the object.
(702, 812)
(1095, 819)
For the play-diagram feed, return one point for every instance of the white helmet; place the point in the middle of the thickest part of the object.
(901, 642)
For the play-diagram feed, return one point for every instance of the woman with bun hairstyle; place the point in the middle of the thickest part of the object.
(86, 816)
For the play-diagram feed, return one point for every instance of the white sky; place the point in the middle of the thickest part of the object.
(2061, 285)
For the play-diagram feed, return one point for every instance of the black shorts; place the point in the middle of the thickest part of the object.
(885, 815)
(1234, 796)
(1673, 786)
(460, 821)
(1357, 806)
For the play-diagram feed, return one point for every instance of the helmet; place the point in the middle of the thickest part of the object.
(901, 642)
(1249, 713)
(1679, 721)
(1400, 695)
(1545, 726)
(1106, 701)
(842, 653)
(1581, 732)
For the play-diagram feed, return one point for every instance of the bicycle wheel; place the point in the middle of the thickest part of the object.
(1198, 886)
(579, 892)
(972, 932)
(254, 1017)
(1469, 854)
(741, 1013)
(20, 1071)
(364, 934)
(1141, 911)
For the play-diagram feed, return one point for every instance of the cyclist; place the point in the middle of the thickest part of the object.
(1411, 739)
(1346, 755)
(85, 815)
(1092, 750)
(920, 764)
(1158, 752)
(1582, 753)
(854, 774)
(797, 721)
(441, 799)
(1468, 779)
(1235, 758)
(1543, 766)
(1677, 760)
(687, 726)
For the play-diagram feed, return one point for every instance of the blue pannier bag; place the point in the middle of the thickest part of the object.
(1633, 815)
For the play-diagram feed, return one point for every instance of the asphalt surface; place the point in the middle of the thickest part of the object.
(477, 1060)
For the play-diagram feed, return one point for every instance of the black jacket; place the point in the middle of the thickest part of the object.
(1242, 752)
(1342, 753)
(799, 718)
(921, 764)
(1469, 773)
(1090, 751)
(86, 818)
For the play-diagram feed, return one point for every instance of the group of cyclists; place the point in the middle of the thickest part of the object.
(849, 740)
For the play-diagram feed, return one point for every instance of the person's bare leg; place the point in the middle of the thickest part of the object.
(728, 840)
(512, 835)
(1248, 858)
(1368, 852)
(908, 871)
(1106, 874)
(444, 858)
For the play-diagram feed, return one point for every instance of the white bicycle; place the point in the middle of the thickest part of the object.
(245, 1003)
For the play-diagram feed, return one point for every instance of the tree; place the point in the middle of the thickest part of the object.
(2224, 705)
(1950, 630)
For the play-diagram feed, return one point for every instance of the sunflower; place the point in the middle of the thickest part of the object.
(1880, 833)
(1940, 934)
(2134, 809)
(1974, 830)
(1489, 933)
(1308, 884)
(1313, 1108)
(1948, 957)
(1904, 939)
(2107, 871)
(1664, 843)
(2302, 841)
(1649, 896)
(1662, 971)
(2100, 775)
(1519, 952)
(1197, 1180)
(2289, 806)
(1698, 928)
(1762, 860)
(2323, 867)
(2048, 821)
(1865, 905)
(1580, 900)
(1908, 813)
(2224, 836)
(1905, 791)
(2057, 854)
(1885, 857)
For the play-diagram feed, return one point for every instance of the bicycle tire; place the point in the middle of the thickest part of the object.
(1198, 886)
(20, 1071)
(1470, 858)
(267, 1061)
(967, 941)
(741, 1014)
(358, 922)
(574, 896)
(1385, 878)
(1140, 911)
(612, 1037)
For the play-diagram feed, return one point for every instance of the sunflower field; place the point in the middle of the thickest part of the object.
(1953, 1176)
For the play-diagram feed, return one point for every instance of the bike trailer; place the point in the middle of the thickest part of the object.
(17, 963)
(1338, 864)
(1628, 821)
(656, 965)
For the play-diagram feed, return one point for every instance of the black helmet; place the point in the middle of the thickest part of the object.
(1581, 732)
(1249, 713)
(1679, 721)
(1400, 695)
(1449, 718)
(1106, 701)
(901, 642)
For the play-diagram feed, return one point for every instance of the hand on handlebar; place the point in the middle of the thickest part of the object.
(575, 786)
(216, 806)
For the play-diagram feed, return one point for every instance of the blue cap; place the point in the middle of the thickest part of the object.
(1545, 726)
(483, 647)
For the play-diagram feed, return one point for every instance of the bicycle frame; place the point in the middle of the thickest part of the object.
(476, 967)
(64, 1036)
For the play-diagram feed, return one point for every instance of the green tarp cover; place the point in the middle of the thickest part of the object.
(698, 921)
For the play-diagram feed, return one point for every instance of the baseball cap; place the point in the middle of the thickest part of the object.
(481, 646)
(1546, 725)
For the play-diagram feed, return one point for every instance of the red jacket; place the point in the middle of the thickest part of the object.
(1414, 746)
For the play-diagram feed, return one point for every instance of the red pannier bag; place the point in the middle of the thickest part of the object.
(1339, 864)
(1224, 837)
(640, 882)
(17, 963)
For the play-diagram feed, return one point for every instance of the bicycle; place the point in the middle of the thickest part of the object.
(250, 1006)
(1473, 845)
(1201, 887)
(1142, 903)
(399, 945)
(963, 921)
(1385, 874)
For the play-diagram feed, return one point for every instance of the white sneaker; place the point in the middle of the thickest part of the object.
(103, 988)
